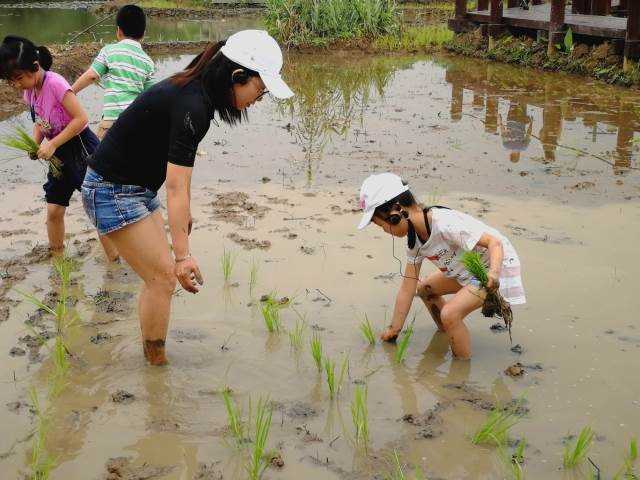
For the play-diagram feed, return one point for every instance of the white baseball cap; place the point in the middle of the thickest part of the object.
(378, 190)
(258, 51)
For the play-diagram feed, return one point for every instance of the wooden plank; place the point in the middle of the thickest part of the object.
(483, 5)
(600, 7)
(580, 7)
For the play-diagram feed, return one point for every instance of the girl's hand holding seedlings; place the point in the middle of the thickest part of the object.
(493, 281)
(390, 334)
(46, 150)
(188, 274)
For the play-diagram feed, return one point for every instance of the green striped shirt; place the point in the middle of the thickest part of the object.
(125, 71)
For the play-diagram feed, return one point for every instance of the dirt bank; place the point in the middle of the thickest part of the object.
(71, 61)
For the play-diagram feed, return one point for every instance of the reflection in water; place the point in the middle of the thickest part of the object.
(330, 97)
(556, 101)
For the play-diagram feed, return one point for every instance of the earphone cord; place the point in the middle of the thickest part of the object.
(393, 253)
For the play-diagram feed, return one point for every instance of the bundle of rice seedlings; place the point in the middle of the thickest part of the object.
(494, 304)
(22, 141)
(258, 458)
(401, 352)
(495, 430)
(367, 331)
(316, 350)
(576, 452)
(360, 415)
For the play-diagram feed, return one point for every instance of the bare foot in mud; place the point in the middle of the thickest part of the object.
(154, 352)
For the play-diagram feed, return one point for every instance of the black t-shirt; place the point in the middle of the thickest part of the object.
(164, 124)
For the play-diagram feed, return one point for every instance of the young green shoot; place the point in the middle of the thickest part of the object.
(628, 468)
(330, 370)
(271, 315)
(360, 415)
(258, 460)
(495, 430)
(227, 261)
(403, 344)
(42, 463)
(513, 461)
(253, 275)
(575, 452)
(22, 141)
(296, 336)
(397, 473)
(367, 331)
(234, 417)
(474, 264)
(316, 350)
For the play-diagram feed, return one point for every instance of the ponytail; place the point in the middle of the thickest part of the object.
(20, 54)
(197, 65)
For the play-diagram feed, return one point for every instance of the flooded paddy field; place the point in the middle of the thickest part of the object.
(550, 160)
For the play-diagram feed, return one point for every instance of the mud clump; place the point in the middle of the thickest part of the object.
(301, 410)
(235, 207)
(249, 243)
(276, 461)
(106, 301)
(428, 423)
(100, 337)
(122, 397)
(208, 471)
(17, 352)
(515, 370)
(121, 468)
(4, 314)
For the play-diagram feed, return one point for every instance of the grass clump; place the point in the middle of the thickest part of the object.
(401, 351)
(22, 141)
(258, 460)
(41, 462)
(367, 331)
(234, 418)
(360, 415)
(316, 350)
(415, 38)
(495, 430)
(311, 22)
(253, 275)
(270, 309)
(575, 452)
(296, 336)
(627, 472)
(227, 262)
(494, 304)
(335, 383)
(514, 461)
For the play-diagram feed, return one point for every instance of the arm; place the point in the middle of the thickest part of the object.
(404, 299)
(86, 79)
(496, 254)
(76, 125)
(178, 186)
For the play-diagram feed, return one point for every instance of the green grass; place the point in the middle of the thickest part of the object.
(360, 415)
(367, 330)
(316, 350)
(513, 461)
(41, 462)
(495, 430)
(335, 383)
(309, 22)
(627, 472)
(575, 452)
(22, 141)
(296, 336)
(415, 38)
(258, 460)
(270, 309)
(397, 473)
(474, 264)
(227, 262)
(234, 418)
(403, 344)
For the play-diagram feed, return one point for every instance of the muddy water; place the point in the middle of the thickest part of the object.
(563, 187)
(56, 23)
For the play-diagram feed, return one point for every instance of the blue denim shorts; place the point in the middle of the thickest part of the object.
(112, 206)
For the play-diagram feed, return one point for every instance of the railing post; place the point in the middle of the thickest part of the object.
(495, 26)
(600, 7)
(461, 8)
(556, 25)
(632, 40)
(483, 5)
(580, 7)
(513, 3)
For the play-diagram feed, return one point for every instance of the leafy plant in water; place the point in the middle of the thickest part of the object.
(234, 417)
(627, 472)
(227, 261)
(495, 430)
(367, 330)
(270, 308)
(513, 461)
(335, 383)
(22, 141)
(567, 44)
(316, 350)
(576, 452)
(401, 350)
(258, 460)
(360, 415)
(494, 304)
(296, 336)
(42, 463)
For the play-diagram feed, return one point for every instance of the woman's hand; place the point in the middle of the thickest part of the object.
(390, 334)
(46, 150)
(188, 274)
(493, 282)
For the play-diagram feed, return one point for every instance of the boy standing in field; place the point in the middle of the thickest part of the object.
(123, 68)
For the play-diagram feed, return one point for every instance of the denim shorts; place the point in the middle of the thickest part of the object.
(112, 206)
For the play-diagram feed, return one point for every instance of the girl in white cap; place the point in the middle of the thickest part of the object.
(154, 142)
(440, 235)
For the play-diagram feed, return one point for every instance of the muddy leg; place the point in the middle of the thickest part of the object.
(144, 246)
(453, 314)
(55, 228)
(431, 291)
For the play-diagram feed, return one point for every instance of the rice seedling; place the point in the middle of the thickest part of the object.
(343, 371)
(335, 383)
(575, 452)
(271, 313)
(296, 336)
(234, 417)
(360, 415)
(495, 430)
(627, 472)
(253, 275)
(401, 351)
(41, 462)
(397, 472)
(367, 331)
(494, 304)
(316, 350)
(22, 141)
(513, 461)
(258, 460)
(227, 261)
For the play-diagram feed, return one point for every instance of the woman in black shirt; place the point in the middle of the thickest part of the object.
(153, 142)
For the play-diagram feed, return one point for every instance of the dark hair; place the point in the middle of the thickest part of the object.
(132, 21)
(217, 74)
(20, 54)
(405, 199)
